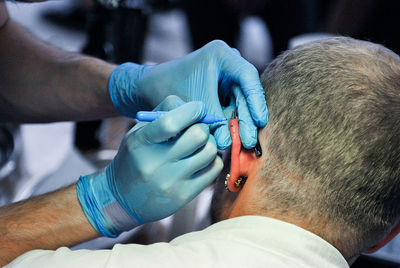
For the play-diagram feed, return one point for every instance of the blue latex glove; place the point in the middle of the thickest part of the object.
(160, 167)
(196, 77)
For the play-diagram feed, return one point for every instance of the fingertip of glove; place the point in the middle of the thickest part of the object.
(249, 143)
(248, 134)
(172, 102)
(223, 137)
(249, 139)
(261, 117)
(224, 146)
(219, 164)
(236, 51)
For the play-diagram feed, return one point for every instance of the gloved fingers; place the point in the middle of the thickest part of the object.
(200, 180)
(222, 136)
(201, 158)
(236, 51)
(219, 50)
(169, 103)
(255, 98)
(247, 128)
(192, 139)
(246, 76)
(220, 130)
(172, 123)
(228, 111)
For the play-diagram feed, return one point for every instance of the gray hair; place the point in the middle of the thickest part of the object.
(333, 129)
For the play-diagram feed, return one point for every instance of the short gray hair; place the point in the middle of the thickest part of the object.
(334, 128)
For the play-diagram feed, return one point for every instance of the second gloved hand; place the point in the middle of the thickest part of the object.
(160, 167)
(209, 74)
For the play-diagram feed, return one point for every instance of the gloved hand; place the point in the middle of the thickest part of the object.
(196, 77)
(160, 167)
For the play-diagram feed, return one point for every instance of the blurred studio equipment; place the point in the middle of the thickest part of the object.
(116, 31)
(369, 20)
(72, 16)
(220, 19)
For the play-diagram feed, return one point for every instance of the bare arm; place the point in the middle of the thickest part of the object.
(46, 222)
(39, 83)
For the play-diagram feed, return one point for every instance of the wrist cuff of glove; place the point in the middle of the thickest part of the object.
(101, 208)
(123, 90)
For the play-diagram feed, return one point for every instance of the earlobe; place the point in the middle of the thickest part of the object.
(239, 169)
(240, 158)
(233, 185)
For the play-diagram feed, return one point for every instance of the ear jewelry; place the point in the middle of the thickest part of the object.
(233, 181)
(234, 186)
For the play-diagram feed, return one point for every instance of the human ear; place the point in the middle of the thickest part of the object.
(240, 169)
(240, 159)
(387, 239)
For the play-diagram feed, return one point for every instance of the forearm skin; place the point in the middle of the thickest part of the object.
(44, 222)
(40, 83)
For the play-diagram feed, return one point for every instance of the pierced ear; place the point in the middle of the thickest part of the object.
(240, 164)
(233, 185)
(235, 179)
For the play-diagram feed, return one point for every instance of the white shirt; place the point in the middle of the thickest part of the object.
(248, 241)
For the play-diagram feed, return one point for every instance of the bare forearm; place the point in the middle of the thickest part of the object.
(39, 83)
(44, 222)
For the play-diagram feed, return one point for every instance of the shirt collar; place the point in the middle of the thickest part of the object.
(285, 238)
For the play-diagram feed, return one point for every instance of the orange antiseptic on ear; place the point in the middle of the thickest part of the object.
(235, 152)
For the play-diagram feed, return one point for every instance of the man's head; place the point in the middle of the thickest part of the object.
(331, 149)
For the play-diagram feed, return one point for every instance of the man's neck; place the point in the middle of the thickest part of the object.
(247, 204)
